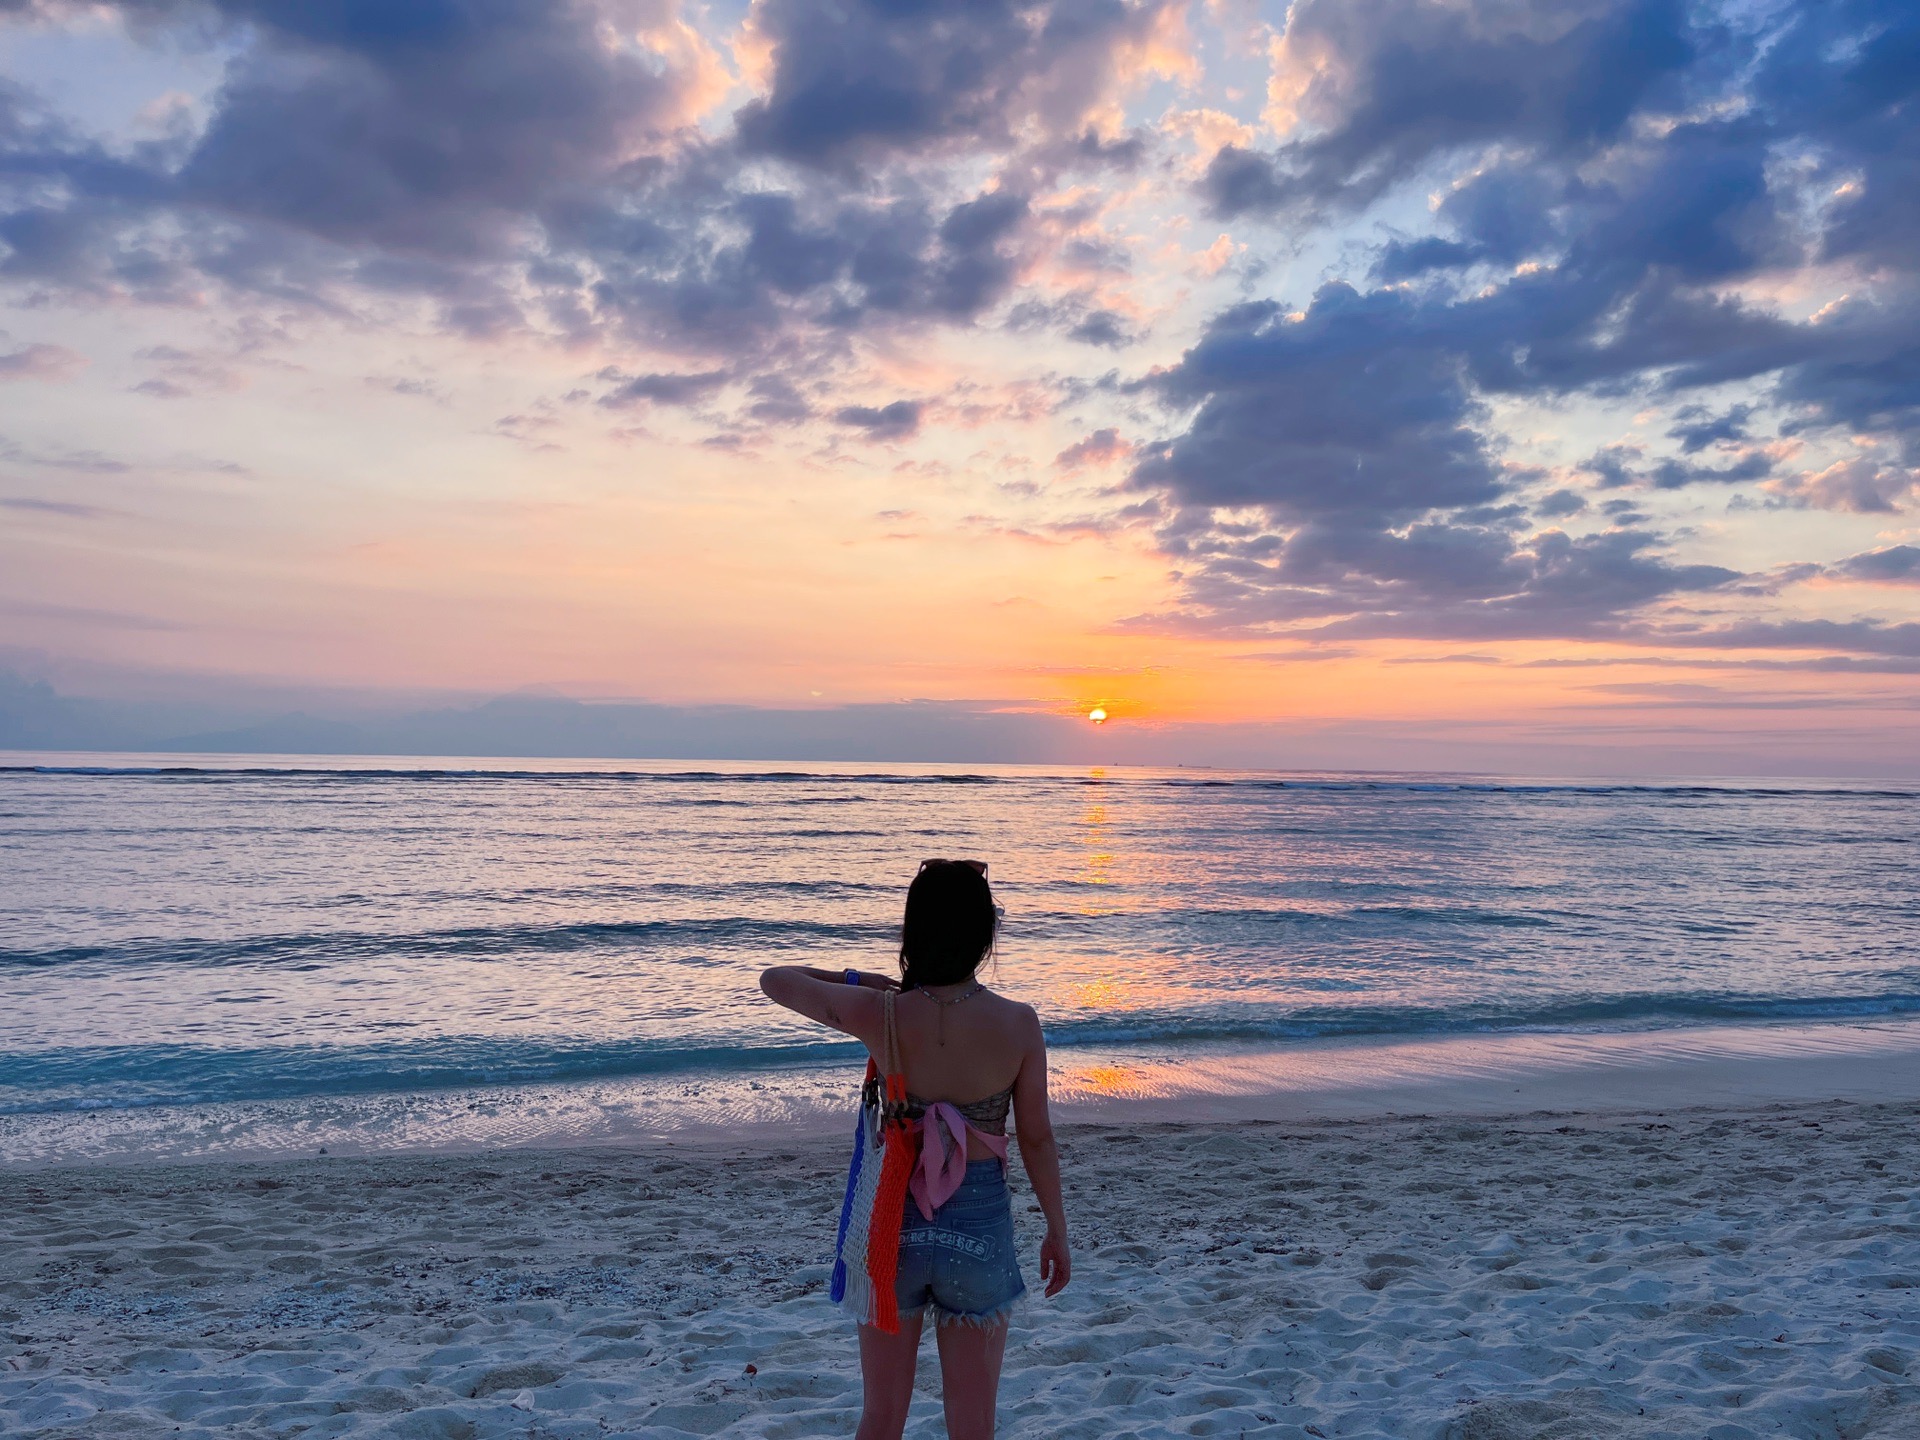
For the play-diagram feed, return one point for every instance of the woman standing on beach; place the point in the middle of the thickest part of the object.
(968, 1056)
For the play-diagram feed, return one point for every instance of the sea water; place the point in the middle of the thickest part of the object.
(183, 933)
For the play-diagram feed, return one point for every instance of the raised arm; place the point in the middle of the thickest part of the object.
(825, 996)
(1033, 1128)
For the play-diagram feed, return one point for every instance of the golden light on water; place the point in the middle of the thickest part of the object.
(1108, 1081)
(1098, 995)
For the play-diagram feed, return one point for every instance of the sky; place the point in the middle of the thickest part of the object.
(1471, 382)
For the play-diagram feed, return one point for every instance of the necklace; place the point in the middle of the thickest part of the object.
(940, 1024)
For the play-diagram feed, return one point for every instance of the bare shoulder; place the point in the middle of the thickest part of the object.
(1020, 1017)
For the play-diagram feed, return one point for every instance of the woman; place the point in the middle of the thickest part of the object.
(968, 1054)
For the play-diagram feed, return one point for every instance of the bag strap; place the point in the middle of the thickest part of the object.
(887, 1076)
(890, 1038)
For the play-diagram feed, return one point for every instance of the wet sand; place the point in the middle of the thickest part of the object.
(1467, 1074)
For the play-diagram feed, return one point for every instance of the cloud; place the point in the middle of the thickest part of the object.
(88, 616)
(524, 165)
(864, 80)
(1672, 474)
(1868, 637)
(1812, 665)
(1436, 581)
(410, 386)
(1612, 216)
(1347, 408)
(1077, 317)
(759, 279)
(1102, 327)
(92, 462)
(34, 505)
(184, 373)
(41, 362)
(667, 388)
(400, 148)
(1696, 427)
(1103, 447)
(1377, 89)
(1844, 72)
(776, 401)
(433, 128)
(1862, 369)
(1894, 565)
(1613, 149)
(1613, 465)
(1862, 486)
(1559, 505)
(1354, 435)
(897, 421)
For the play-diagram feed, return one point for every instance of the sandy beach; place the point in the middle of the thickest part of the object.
(1702, 1272)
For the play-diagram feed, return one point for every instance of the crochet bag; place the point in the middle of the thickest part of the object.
(867, 1253)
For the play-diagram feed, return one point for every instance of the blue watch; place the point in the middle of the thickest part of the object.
(853, 977)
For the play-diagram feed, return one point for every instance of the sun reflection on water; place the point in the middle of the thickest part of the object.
(1098, 840)
(1105, 1082)
(1101, 994)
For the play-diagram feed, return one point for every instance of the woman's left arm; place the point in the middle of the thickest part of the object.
(825, 996)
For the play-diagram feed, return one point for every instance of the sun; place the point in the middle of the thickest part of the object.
(1097, 715)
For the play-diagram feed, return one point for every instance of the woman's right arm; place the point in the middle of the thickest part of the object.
(1033, 1129)
(854, 1009)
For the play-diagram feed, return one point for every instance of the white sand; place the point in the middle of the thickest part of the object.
(1703, 1273)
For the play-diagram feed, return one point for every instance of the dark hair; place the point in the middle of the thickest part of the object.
(948, 930)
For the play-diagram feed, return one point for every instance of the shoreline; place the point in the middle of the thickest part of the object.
(1572, 1073)
(1721, 1272)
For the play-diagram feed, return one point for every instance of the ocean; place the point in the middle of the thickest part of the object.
(179, 936)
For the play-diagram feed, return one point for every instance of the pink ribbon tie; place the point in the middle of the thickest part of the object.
(944, 1128)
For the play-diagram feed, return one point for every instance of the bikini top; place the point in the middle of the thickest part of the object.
(989, 1115)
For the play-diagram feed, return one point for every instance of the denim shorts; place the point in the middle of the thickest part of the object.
(962, 1261)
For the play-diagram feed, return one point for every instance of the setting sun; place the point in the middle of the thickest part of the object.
(1097, 715)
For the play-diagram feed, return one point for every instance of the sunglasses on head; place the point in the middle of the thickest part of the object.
(979, 867)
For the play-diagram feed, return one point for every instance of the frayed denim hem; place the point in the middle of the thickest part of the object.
(982, 1320)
